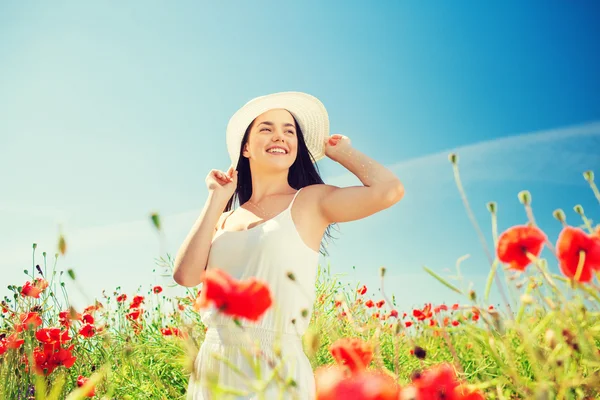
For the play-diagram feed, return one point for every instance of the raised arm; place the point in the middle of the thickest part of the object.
(381, 189)
(192, 257)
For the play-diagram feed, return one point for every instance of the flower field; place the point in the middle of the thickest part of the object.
(542, 343)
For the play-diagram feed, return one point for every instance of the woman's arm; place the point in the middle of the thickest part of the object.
(192, 256)
(381, 189)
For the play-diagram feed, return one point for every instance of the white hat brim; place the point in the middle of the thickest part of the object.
(308, 111)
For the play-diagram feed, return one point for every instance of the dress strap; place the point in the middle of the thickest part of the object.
(294, 199)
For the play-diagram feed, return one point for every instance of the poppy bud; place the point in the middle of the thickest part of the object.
(381, 271)
(44, 254)
(589, 176)
(155, 220)
(559, 215)
(453, 158)
(472, 295)
(291, 276)
(34, 245)
(578, 209)
(491, 206)
(62, 244)
(71, 273)
(525, 197)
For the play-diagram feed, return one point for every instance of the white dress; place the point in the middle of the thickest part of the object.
(269, 251)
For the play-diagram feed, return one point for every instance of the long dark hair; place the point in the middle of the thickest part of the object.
(303, 172)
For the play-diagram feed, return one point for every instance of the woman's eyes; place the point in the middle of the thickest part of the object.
(267, 129)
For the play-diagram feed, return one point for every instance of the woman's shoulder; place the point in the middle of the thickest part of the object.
(317, 190)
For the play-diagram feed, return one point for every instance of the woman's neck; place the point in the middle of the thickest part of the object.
(268, 184)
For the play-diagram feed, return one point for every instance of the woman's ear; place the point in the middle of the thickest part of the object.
(245, 151)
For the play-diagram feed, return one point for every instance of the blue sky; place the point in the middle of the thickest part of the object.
(111, 111)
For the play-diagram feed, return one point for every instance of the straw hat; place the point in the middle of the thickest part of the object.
(307, 110)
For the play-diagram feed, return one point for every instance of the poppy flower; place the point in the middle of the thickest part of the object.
(87, 331)
(157, 289)
(369, 303)
(121, 298)
(29, 320)
(423, 314)
(11, 342)
(81, 381)
(571, 243)
(34, 289)
(380, 303)
(87, 318)
(436, 382)
(136, 302)
(353, 352)
(248, 299)
(333, 383)
(52, 335)
(48, 358)
(362, 290)
(515, 243)
(135, 314)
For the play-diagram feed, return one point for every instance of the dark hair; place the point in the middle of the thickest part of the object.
(303, 172)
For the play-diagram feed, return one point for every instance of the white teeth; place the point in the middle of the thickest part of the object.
(281, 151)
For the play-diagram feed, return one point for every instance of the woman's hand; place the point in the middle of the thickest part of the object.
(337, 145)
(222, 184)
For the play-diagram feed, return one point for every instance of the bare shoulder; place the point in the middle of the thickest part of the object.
(317, 191)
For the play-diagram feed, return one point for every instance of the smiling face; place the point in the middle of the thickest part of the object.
(273, 141)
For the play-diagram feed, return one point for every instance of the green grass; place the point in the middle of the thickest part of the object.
(547, 347)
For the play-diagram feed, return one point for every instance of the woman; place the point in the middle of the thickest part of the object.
(275, 235)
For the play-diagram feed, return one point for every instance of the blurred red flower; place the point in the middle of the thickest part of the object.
(248, 299)
(81, 381)
(34, 289)
(353, 352)
(516, 242)
(571, 242)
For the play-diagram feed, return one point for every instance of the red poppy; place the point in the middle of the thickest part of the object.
(423, 314)
(408, 324)
(136, 302)
(135, 314)
(87, 318)
(29, 320)
(52, 335)
(380, 303)
(436, 382)
(121, 298)
(87, 331)
(34, 289)
(369, 303)
(248, 299)
(157, 289)
(393, 313)
(50, 357)
(64, 317)
(353, 352)
(516, 242)
(333, 383)
(11, 342)
(81, 381)
(573, 241)
(362, 290)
